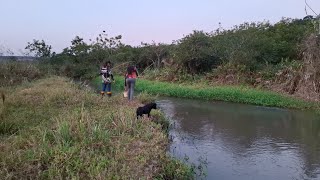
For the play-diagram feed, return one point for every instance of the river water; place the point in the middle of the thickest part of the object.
(236, 141)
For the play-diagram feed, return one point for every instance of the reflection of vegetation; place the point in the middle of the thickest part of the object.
(98, 145)
(245, 129)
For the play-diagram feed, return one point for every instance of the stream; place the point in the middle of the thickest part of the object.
(237, 141)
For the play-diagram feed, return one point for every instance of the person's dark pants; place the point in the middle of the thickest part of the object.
(106, 87)
(130, 84)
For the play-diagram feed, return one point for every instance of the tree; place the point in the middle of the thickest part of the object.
(155, 52)
(195, 53)
(104, 47)
(78, 50)
(104, 42)
(40, 48)
(79, 47)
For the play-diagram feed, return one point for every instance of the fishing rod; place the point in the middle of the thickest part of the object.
(122, 64)
(317, 15)
(310, 8)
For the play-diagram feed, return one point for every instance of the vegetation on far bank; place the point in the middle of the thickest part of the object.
(55, 129)
(238, 94)
(281, 56)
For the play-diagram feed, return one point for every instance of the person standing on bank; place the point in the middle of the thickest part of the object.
(107, 78)
(130, 80)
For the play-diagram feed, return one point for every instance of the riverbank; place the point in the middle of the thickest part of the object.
(235, 94)
(55, 129)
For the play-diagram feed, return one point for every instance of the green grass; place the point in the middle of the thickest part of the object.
(235, 94)
(55, 129)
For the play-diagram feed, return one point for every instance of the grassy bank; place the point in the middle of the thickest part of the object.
(55, 129)
(221, 93)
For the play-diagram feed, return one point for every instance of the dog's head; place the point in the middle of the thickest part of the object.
(153, 105)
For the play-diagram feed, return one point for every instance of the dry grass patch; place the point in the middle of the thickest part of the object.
(60, 131)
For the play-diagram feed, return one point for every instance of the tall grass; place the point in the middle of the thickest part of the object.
(54, 129)
(236, 94)
(15, 72)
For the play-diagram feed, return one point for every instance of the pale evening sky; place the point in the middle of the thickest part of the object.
(59, 21)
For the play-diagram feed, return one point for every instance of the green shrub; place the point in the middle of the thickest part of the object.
(146, 98)
(16, 72)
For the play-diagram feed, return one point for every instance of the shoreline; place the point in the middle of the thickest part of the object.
(235, 94)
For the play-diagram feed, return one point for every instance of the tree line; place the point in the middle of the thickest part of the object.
(248, 46)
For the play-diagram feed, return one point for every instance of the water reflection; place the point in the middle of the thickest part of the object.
(246, 142)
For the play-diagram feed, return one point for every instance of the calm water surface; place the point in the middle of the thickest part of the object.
(236, 141)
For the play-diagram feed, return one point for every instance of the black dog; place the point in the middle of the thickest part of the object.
(146, 109)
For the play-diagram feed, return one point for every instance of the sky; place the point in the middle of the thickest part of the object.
(59, 21)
